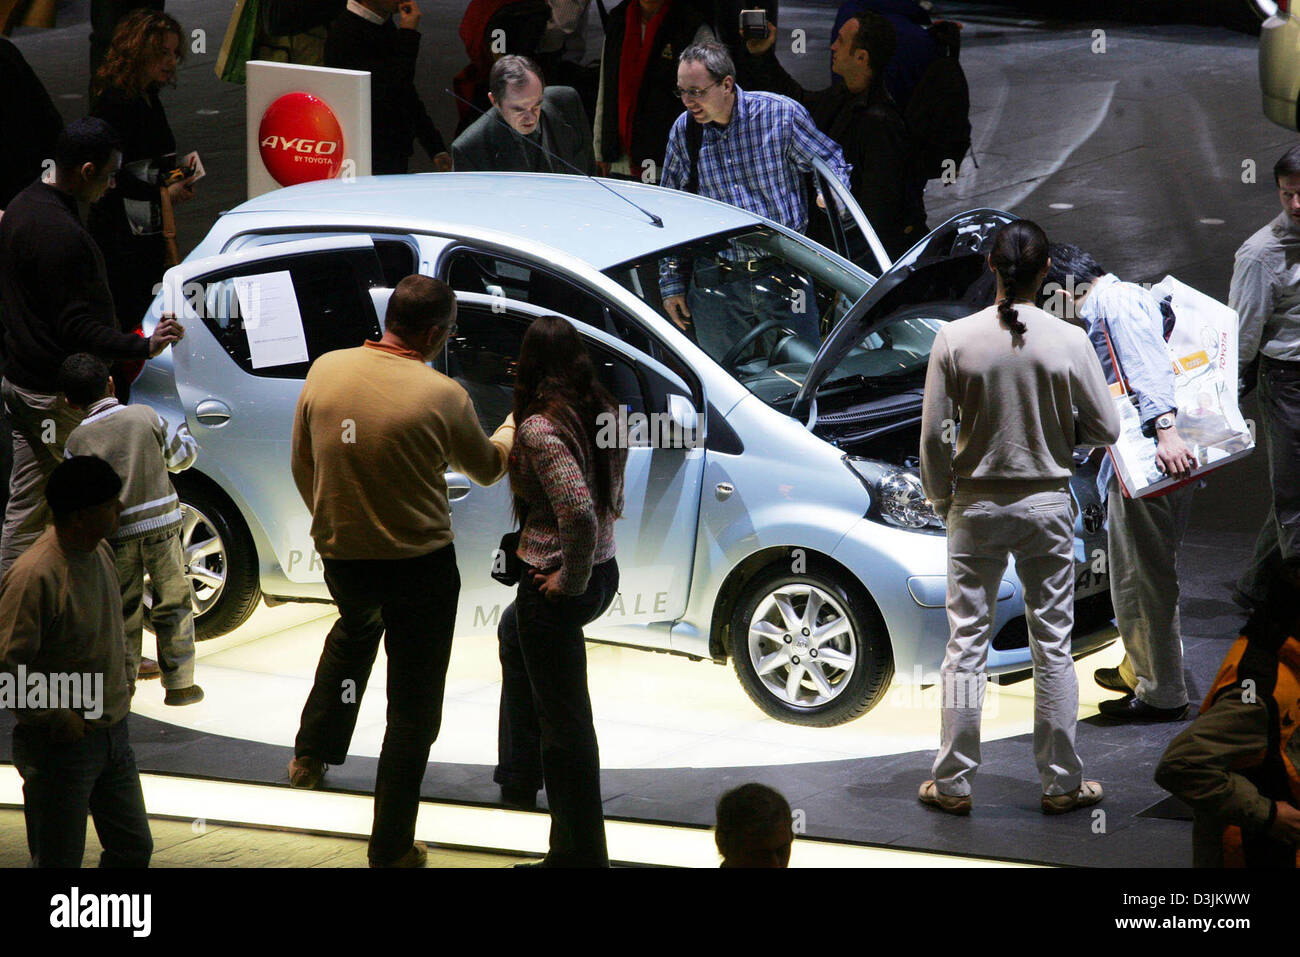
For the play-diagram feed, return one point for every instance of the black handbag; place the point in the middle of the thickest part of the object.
(507, 566)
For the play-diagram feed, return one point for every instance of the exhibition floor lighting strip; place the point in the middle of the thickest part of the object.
(461, 826)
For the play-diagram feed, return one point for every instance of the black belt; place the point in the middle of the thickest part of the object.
(1291, 365)
(736, 270)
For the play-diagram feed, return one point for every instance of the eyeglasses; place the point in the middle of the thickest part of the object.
(692, 94)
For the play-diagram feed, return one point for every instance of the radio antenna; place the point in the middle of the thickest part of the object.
(655, 220)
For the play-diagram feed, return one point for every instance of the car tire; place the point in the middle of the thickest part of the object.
(221, 562)
(862, 667)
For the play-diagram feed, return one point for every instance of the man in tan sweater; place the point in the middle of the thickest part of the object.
(375, 430)
(1014, 390)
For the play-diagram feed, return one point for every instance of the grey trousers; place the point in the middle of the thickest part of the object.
(172, 613)
(1037, 529)
(41, 424)
(1279, 408)
(1142, 538)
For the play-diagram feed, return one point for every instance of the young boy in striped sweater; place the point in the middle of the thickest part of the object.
(142, 449)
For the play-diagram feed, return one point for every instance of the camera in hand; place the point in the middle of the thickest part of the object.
(753, 24)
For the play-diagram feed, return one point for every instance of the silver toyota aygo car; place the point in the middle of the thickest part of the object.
(774, 515)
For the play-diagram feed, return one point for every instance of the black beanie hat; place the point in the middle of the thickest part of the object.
(82, 481)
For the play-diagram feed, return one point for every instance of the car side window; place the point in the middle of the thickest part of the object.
(470, 270)
(483, 358)
(332, 292)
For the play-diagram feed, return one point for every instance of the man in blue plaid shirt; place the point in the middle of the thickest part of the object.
(756, 150)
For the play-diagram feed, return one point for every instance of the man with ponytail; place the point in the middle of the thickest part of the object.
(1010, 392)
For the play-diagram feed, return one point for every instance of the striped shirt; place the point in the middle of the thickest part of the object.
(142, 449)
(1132, 316)
(757, 162)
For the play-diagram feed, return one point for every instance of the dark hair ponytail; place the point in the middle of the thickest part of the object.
(1019, 255)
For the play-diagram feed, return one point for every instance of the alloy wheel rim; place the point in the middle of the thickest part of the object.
(802, 645)
(206, 561)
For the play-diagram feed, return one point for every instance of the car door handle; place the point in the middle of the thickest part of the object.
(458, 485)
(212, 412)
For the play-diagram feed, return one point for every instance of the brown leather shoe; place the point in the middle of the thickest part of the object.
(180, 697)
(306, 772)
(1088, 793)
(930, 794)
(415, 857)
(148, 669)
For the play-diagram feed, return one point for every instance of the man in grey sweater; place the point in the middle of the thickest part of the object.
(1014, 390)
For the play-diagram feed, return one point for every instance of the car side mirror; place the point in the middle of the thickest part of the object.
(685, 419)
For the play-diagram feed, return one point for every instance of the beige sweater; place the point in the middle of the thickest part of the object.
(1015, 399)
(374, 431)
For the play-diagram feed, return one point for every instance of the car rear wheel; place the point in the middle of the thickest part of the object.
(809, 648)
(220, 563)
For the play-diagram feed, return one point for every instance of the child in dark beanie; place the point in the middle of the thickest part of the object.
(142, 449)
(61, 617)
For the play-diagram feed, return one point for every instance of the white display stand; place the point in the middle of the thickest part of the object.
(305, 142)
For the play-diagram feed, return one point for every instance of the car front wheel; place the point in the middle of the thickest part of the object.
(809, 648)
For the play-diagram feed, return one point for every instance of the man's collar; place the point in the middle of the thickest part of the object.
(366, 13)
(1284, 225)
(99, 406)
(1088, 311)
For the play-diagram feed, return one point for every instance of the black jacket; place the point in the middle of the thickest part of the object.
(397, 114)
(29, 123)
(490, 143)
(53, 292)
(657, 107)
(142, 126)
(873, 135)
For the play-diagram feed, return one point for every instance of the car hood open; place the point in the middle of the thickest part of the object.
(907, 282)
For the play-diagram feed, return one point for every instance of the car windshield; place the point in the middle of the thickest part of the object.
(761, 303)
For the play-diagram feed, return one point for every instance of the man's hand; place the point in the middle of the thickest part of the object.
(759, 47)
(67, 726)
(1172, 454)
(408, 16)
(548, 585)
(165, 333)
(677, 311)
(442, 162)
(1286, 826)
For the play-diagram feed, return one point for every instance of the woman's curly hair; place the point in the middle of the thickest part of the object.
(137, 41)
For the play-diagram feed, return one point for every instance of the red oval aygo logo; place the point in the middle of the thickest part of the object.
(300, 139)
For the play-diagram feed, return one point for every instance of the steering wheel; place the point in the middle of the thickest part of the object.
(729, 360)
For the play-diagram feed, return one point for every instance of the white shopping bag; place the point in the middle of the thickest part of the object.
(1203, 351)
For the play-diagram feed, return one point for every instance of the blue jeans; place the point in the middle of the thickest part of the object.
(64, 782)
(546, 732)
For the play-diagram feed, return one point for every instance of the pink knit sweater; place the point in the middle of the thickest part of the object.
(552, 469)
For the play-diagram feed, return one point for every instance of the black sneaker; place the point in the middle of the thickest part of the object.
(1132, 708)
(179, 697)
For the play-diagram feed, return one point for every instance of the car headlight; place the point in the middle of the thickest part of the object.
(897, 497)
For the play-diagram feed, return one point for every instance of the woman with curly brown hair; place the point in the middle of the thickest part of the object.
(127, 222)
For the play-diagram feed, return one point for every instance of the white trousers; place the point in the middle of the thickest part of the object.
(1038, 530)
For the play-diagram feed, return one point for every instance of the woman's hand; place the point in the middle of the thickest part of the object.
(548, 585)
(181, 191)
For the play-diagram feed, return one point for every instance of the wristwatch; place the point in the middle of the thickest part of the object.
(1165, 421)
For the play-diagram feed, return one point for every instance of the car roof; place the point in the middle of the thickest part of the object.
(573, 214)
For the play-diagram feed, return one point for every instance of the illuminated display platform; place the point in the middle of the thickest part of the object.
(674, 735)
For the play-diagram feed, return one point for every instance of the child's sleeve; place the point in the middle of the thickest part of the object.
(179, 448)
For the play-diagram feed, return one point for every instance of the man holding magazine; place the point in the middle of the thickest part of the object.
(1126, 326)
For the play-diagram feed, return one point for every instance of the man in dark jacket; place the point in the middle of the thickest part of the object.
(364, 37)
(55, 300)
(528, 122)
(860, 115)
(916, 48)
(636, 105)
(29, 123)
